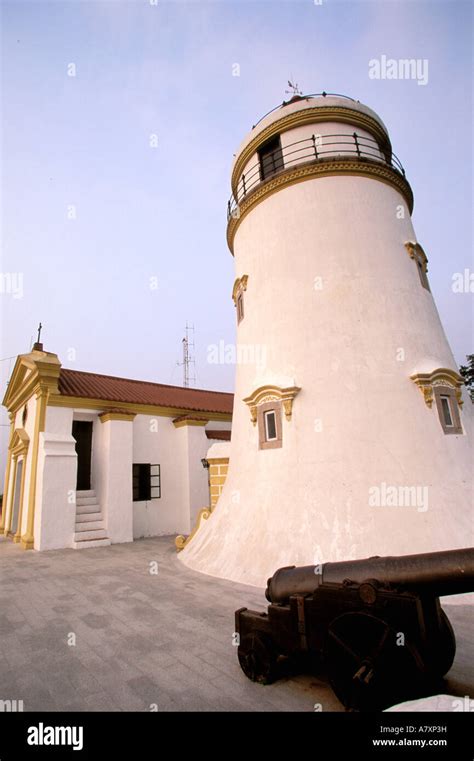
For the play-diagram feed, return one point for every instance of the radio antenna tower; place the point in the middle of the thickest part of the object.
(188, 363)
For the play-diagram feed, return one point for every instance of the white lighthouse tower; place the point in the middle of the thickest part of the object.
(351, 429)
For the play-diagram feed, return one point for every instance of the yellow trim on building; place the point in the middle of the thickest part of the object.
(19, 449)
(11, 495)
(42, 394)
(240, 284)
(270, 393)
(34, 373)
(218, 468)
(182, 423)
(30, 371)
(442, 376)
(416, 251)
(76, 402)
(17, 536)
(107, 416)
(181, 541)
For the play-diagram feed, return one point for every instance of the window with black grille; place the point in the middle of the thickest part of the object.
(146, 482)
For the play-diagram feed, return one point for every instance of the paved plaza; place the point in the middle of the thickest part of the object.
(100, 630)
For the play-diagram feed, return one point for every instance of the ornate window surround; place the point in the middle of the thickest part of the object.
(271, 393)
(416, 253)
(240, 286)
(263, 442)
(439, 382)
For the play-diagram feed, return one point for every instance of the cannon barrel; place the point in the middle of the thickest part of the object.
(433, 573)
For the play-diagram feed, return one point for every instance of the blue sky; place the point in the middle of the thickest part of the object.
(147, 212)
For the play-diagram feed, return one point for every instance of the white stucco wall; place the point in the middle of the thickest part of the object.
(219, 425)
(55, 512)
(198, 444)
(100, 464)
(59, 420)
(111, 467)
(184, 482)
(116, 445)
(114, 448)
(218, 450)
(359, 421)
(158, 442)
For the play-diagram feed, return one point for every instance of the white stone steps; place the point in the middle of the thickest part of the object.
(90, 526)
(86, 544)
(92, 500)
(99, 533)
(85, 509)
(87, 517)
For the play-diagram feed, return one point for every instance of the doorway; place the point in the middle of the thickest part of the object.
(82, 432)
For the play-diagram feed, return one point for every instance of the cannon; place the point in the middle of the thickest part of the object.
(375, 627)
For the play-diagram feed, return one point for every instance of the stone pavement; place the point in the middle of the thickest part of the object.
(143, 639)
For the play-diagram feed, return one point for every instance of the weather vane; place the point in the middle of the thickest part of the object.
(39, 332)
(294, 89)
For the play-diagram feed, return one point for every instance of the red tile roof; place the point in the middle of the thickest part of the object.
(221, 435)
(111, 389)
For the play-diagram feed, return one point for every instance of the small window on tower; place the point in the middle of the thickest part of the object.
(270, 157)
(240, 286)
(448, 409)
(269, 425)
(422, 273)
(240, 307)
(421, 260)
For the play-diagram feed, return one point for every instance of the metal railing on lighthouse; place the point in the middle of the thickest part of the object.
(314, 149)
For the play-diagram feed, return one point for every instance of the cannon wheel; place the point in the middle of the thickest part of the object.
(367, 669)
(258, 658)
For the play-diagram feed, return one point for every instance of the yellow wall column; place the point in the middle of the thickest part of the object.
(11, 495)
(17, 536)
(218, 467)
(42, 393)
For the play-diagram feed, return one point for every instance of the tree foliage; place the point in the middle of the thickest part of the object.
(467, 372)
